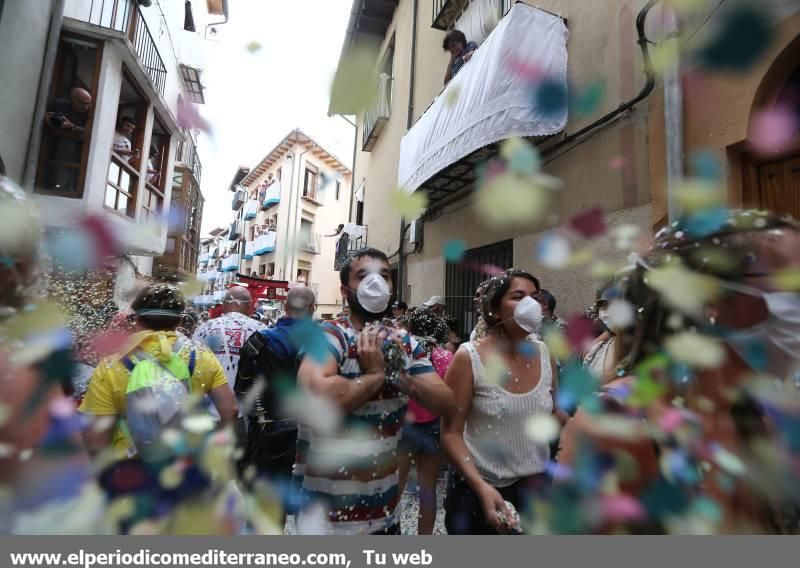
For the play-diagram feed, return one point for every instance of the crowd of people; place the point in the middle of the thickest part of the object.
(680, 417)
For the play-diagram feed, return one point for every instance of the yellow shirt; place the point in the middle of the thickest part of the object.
(109, 382)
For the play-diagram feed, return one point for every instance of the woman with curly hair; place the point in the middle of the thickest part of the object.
(713, 320)
(500, 383)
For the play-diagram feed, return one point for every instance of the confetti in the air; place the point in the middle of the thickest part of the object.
(407, 204)
(454, 250)
(773, 130)
(554, 251)
(590, 223)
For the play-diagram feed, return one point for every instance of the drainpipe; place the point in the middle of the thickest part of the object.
(673, 120)
(409, 123)
(288, 215)
(353, 170)
(43, 90)
(297, 202)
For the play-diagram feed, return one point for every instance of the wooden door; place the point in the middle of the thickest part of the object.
(778, 186)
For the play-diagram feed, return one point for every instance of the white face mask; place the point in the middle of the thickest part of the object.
(778, 336)
(373, 293)
(528, 314)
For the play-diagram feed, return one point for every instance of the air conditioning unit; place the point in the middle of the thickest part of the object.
(415, 231)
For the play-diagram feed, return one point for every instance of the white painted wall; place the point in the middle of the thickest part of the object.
(23, 35)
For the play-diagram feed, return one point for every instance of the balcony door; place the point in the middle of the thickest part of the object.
(462, 279)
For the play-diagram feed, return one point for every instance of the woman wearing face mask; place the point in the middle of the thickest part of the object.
(499, 384)
(738, 420)
(601, 357)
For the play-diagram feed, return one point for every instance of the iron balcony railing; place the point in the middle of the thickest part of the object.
(125, 16)
(186, 153)
(378, 114)
(447, 12)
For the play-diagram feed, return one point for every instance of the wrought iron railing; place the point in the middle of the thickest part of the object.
(125, 16)
(186, 153)
(378, 113)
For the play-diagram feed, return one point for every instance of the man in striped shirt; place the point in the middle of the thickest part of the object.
(353, 471)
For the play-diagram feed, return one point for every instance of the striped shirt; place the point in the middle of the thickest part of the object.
(354, 471)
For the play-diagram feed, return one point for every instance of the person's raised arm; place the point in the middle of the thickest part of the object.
(323, 379)
(459, 379)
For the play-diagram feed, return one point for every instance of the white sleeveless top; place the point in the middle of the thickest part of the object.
(495, 426)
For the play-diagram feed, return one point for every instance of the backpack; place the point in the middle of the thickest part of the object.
(156, 394)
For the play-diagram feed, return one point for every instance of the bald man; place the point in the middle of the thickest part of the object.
(71, 115)
(269, 365)
(226, 334)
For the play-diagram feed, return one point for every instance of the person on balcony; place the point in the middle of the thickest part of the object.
(71, 115)
(126, 126)
(153, 173)
(460, 50)
(67, 120)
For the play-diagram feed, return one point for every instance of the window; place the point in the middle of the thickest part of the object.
(278, 175)
(171, 245)
(271, 270)
(262, 269)
(126, 160)
(252, 232)
(121, 187)
(338, 189)
(310, 183)
(64, 150)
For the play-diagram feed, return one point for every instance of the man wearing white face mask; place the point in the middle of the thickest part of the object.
(361, 494)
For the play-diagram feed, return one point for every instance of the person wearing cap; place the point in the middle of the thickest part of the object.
(437, 305)
(158, 310)
(225, 336)
(399, 309)
(269, 365)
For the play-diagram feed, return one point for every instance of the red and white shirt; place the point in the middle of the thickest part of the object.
(225, 336)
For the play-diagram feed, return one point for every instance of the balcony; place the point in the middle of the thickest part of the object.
(310, 242)
(440, 152)
(236, 230)
(272, 196)
(186, 153)
(125, 17)
(265, 243)
(239, 197)
(377, 115)
(204, 258)
(352, 239)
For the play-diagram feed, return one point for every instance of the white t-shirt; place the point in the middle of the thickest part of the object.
(121, 142)
(225, 336)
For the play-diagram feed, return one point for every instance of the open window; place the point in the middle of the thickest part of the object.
(310, 182)
(68, 120)
(122, 182)
(153, 199)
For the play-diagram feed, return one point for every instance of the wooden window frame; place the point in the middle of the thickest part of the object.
(311, 169)
(130, 207)
(87, 137)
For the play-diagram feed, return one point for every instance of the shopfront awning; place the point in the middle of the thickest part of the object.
(489, 100)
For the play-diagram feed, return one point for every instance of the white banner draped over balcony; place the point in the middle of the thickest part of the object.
(493, 101)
